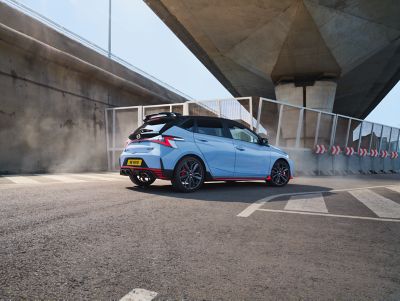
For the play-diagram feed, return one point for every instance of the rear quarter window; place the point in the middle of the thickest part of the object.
(188, 125)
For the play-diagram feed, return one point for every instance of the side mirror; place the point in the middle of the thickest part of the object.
(264, 141)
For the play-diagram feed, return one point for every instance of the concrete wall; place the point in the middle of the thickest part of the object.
(53, 95)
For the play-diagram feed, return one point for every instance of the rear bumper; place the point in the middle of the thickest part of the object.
(158, 173)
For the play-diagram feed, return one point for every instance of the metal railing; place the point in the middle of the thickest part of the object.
(122, 121)
(66, 32)
(294, 128)
(314, 127)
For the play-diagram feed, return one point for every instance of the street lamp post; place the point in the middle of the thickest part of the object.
(109, 28)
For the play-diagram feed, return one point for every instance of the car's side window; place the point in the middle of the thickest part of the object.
(211, 127)
(242, 134)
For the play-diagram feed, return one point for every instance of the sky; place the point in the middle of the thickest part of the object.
(142, 39)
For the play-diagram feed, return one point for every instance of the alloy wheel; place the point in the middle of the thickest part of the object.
(191, 174)
(280, 173)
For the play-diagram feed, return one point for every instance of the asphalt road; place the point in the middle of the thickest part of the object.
(100, 239)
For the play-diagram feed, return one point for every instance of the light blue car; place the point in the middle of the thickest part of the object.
(189, 150)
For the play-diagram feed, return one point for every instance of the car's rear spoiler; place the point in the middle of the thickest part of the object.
(161, 115)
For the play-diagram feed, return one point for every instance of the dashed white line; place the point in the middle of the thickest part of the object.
(98, 177)
(394, 188)
(258, 204)
(21, 180)
(378, 204)
(309, 202)
(333, 215)
(139, 294)
(63, 178)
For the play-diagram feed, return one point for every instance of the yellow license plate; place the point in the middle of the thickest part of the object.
(134, 162)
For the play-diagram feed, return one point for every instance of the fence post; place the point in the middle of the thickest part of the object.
(107, 141)
(278, 130)
(140, 115)
(113, 141)
(251, 112)
(332, 142)
(317, 129)
(185, 108)
(371, 165)
(259, 114)
(299, 127)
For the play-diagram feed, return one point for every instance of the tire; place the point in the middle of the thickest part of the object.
(280, 173)
(189, 174)
(143, 179)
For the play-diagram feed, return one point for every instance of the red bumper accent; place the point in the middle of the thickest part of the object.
(239, 179)
(158, 173)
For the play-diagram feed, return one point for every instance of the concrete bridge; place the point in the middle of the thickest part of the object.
(336, 56)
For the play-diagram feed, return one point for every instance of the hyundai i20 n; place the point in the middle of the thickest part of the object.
(189, 150)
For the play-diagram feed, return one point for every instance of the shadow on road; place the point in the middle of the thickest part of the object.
(243, 192)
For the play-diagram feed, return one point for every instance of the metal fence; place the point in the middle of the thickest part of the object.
(296, 129)
(122, 121)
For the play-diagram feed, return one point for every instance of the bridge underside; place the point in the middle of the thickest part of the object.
(253, 47)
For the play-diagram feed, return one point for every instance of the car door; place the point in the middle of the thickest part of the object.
(218, 150)
(252, 158)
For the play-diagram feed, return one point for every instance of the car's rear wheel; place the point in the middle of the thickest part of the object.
(188, 175)
(143, 179)
(280, 173)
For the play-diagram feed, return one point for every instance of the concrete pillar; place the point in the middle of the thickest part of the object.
(319, 96)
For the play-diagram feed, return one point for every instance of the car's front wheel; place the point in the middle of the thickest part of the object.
(280, 173)
(142, 179)
(188, 175)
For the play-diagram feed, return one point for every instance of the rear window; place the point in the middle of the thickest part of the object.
(152, 128)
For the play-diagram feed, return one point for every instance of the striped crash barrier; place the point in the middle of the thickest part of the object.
(349, 151)
(394, 155)
(362, 152)
(320, 149)
(384, 154)
(374, 153)
(335, 150)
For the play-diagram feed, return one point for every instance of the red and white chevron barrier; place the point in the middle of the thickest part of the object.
(335, 150)
(349, 151)
(384, 154)
(374, 153)
(394, 155)
(362, 152)
(320, 149)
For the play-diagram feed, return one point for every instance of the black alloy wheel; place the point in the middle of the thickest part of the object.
(280, 173)
(143, 179)
(189, 175)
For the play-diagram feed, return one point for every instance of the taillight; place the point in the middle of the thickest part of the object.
(168, 141)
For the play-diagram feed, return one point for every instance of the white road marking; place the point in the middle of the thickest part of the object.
(21, 180)
(97, 177)
(333, 215)
(258, 204)
(63, 178)
(380, 205)
(139, 294)
(309, 202)
(394, 188)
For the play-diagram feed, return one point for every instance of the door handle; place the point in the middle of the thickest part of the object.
(202, 140)
(240, 148)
